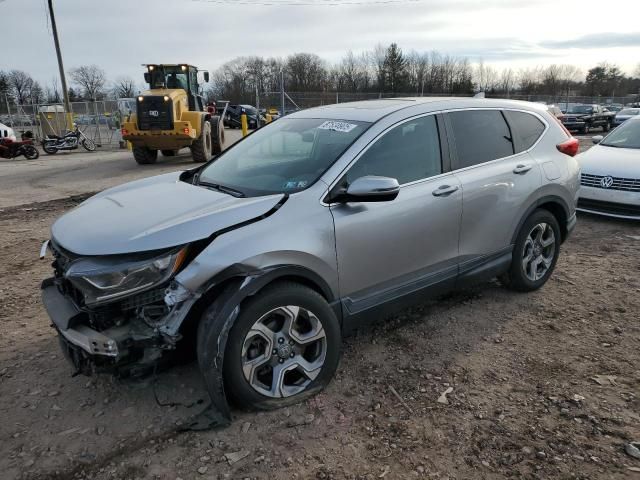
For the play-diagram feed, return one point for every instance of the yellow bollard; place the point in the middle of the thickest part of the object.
(129, 145)
(245, 125)
(268, 118)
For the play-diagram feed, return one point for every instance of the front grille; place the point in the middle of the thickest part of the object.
(609, 207)
(154, 113)
(619, 183)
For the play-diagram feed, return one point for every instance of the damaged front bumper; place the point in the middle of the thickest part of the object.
(129, 343)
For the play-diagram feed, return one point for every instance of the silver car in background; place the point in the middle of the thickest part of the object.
(611, 173)
(324, 220)
(623, 115)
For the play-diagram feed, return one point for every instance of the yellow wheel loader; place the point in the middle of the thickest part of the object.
(171, 115)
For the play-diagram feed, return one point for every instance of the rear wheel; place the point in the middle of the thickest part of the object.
(535, 253)
(49, 148)
(201, 147)
(144, 155)
(169, 153)
(283, 347)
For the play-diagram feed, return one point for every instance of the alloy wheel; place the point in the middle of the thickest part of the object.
(538, 252)
(284, 351)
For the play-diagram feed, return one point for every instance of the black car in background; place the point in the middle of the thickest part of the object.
(585, 117)
(232, 117)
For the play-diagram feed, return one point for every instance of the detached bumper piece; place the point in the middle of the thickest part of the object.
(130, 348)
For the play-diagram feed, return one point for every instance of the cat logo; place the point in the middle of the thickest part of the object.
(154, 113)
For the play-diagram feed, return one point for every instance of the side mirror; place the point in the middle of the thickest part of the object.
(206, 77)
(147, 77)
(372, 189)
(597, 139)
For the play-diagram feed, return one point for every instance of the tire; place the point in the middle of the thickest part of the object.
(521, 280)
(268, 306)
(169, 153)
(31, 152)
(144, 155)
(89, 145)
(201, 147)
(585, 130)
(606, 127)
(49, 149)
(217, 136)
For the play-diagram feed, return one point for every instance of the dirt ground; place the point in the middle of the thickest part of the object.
(542, 385)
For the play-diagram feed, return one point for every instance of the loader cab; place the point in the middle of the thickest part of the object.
(173, 77)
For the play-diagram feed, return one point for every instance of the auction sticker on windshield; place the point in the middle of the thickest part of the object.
(337, 126)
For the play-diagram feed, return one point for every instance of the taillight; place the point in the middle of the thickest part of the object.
(186, 131)
(124, 131)
(569, 147)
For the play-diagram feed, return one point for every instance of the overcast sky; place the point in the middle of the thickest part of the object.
(119, 35)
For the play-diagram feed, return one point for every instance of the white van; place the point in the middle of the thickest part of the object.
(7, 133)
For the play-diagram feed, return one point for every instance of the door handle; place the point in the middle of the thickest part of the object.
(445, 190)
(520, 169)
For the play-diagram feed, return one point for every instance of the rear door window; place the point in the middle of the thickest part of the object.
(526, 129)
(480, 136)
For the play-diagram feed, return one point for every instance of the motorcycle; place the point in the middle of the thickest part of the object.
(68, 141)
(9, 149)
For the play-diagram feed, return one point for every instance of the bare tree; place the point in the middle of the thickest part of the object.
(507, 81)
(20, 84)
(124, 87)
(52, 91)
(486, 77)
(377, 59)
(91, 79)
(306, 72)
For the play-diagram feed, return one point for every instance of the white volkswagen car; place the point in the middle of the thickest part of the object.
(610, 183)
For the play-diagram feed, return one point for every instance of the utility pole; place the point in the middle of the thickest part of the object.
(63, 80)
(282, 92)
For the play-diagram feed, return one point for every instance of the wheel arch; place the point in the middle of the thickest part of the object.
(556, 205)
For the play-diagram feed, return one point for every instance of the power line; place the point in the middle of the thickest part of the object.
(303, 3)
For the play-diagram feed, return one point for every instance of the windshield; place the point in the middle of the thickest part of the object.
(580, 109)
(169, 77)
(626, 135)
(248, 109)
(629, 111)
(284, 157)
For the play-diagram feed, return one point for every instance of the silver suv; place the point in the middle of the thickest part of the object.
(262, 259)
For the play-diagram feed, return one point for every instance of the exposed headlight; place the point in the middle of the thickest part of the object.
(105, 279)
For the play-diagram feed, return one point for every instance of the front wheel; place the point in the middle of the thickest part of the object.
(606, 127)
(31, 152)
(88, 145)
(144, 155)
(201, 147)
(535, 253)
(283, 348)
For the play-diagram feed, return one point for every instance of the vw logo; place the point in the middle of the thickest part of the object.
(606, 182)
(154, 113)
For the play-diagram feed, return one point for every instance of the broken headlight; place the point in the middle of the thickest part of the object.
(105, 279)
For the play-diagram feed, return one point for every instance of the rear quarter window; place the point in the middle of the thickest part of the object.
(526, 129)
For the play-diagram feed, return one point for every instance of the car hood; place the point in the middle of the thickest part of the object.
(151, 214)
(617, 162)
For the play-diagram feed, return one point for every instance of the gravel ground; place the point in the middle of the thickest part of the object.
(541, 385)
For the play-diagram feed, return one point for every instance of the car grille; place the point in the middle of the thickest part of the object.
(570, 119)
(619, 183)
(609, 207)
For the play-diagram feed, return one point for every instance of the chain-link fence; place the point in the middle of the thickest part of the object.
(99, 120)
(301, 100)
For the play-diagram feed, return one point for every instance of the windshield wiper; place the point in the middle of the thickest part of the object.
(221, 188)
